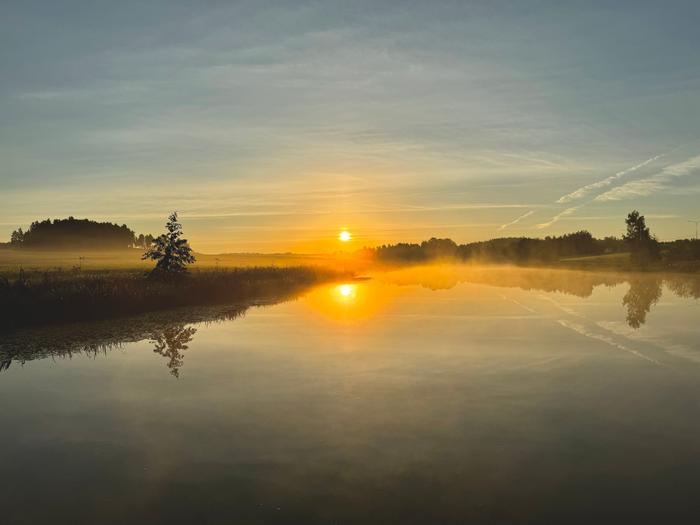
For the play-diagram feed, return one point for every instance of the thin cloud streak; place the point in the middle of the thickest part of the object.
(645, 185)
(556, 218)
(653, 184)
(516, 221)
(585, 190)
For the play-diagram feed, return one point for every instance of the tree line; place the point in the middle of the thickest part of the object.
(643, 247)
(73, 233)
(171, 252)
(509, 249)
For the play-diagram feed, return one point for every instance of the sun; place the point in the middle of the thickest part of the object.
(346, 292)
(344, 236)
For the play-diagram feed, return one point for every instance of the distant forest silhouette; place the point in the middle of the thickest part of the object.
(510, 249)
(74, 233)
(644, 249)
(523, 250)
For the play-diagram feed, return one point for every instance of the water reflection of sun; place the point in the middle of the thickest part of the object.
(350, 301)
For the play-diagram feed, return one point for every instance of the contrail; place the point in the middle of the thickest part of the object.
(516, 221)
(650, 185)
(585, 190)
(609, 195)
(567, 211)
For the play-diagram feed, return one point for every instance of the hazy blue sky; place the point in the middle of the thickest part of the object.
(270, 125)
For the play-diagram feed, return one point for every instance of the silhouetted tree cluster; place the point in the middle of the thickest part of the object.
(17, 237)
(516, 250)
(681, 250)
(72, 233)
(643, 247)
(401, 252)
(439, 248)
(611, 244)
(144, 241)
(425, 251)
(521, 250)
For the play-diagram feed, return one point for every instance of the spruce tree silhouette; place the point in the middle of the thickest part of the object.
(170, 251)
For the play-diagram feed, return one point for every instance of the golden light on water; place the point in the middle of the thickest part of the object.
(344, 236)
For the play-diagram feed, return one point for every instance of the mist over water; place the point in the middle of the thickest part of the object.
(424, 394)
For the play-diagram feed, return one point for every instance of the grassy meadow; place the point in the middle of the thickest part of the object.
(608, 261)
(14, 259)
(623, 262)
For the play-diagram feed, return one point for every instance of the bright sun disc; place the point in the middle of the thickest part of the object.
(344, 236)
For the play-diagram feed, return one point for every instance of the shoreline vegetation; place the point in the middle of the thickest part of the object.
(56, 297)
(39, 298)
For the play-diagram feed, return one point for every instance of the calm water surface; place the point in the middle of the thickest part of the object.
(437, 395)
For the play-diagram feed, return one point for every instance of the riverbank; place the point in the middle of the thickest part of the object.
(37, 298)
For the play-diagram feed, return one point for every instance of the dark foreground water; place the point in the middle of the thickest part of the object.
(422, 396)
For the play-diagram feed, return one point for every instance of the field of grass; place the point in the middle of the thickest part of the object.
(11, 260)
(610, 261)
(622, 262)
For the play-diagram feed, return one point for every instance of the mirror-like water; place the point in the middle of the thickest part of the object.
(437, 395)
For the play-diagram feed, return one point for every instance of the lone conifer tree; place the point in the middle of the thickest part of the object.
(170, 251)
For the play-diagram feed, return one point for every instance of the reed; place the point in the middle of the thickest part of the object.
(56, 297)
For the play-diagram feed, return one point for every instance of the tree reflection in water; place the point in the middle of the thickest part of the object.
(171, 343)
(645, 289)
(644, 292)
(169, 332)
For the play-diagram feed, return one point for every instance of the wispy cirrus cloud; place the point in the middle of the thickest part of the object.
(641, 187)
(556, 218)
(650, 185)
(590, 188)
(517, 220)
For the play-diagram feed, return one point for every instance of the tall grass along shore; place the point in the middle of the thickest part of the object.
(53, 297)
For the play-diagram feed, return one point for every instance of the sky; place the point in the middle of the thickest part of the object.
(270, 126)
